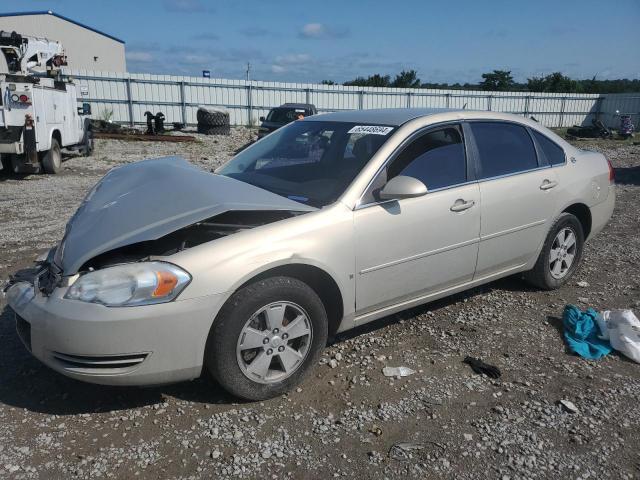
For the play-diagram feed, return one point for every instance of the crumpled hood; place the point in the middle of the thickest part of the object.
(149, 199)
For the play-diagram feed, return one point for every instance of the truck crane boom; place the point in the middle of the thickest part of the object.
(25, 55)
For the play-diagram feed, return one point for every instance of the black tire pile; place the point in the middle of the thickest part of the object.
(213, 122)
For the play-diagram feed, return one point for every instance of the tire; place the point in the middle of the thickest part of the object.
(52, 160)
(7, 167)
(87, 151)
(212, 118)
(230, 361)
(219, 130)
(546, 274)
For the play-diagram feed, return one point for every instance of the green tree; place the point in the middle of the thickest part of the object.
(375, 80)
(406, 79)
(554, 82)
(328, 82)
(498, 80)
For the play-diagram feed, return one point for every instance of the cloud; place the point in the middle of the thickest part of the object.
(320, 30)
(278, 69)
(206, 36)
(186, 6)
(293, 58)
(139, 56)
(257, 32)
(498, 32)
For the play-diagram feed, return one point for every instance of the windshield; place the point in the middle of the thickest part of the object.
(311, 162)
(285, 115)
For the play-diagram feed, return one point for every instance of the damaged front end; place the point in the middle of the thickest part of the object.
(150, 210)
(207, 230)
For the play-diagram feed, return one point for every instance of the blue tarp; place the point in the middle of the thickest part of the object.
(581, 333)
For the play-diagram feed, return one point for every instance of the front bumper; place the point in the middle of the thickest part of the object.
(142, 345)
(11, 148)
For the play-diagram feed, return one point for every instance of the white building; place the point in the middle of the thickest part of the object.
(86, 48)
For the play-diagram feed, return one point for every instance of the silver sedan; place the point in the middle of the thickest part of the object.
(331, 222)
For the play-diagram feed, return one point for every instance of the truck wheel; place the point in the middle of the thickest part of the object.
(52, 160)
(7, 167)
(88, 148)
(266, 338)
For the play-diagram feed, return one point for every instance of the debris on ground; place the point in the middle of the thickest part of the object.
(582, 333)
(622, 329)
(569, 406)
(403, 451)
(482, 368)
(146, 138)
(397, 371)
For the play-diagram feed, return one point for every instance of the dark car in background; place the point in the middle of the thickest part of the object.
(284, 114)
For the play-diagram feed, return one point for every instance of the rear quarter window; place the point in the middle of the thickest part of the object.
(551, 150)
(504, 148)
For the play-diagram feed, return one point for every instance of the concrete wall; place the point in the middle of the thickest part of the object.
(81, 45)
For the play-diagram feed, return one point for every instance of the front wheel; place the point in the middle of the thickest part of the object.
(560, 255)
(266, 338)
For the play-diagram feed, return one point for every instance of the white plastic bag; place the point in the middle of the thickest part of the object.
(622, 329)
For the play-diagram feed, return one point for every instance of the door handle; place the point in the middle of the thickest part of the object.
(548, 184)
(461, 205)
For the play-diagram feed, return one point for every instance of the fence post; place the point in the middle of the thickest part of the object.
(183, 103)
(307, 95)
(249, 105)
(526, 105)
(130, 102)
(599, 107)
(408, 99)
(489, 99)
(448, 99)
(562, 104)
(361, 100)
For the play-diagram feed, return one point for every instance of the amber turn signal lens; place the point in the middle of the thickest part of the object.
(167, 281)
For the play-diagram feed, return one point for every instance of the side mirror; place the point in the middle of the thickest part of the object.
(262, 119)
(85, 109)
(402, 187)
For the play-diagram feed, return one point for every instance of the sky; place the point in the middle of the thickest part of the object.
(305, 41)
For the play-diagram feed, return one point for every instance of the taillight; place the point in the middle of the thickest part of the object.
(24, 98)
(612, 173)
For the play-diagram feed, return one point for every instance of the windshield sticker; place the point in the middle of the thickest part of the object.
(371, 129)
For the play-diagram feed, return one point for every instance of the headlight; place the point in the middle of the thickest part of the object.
(141, 283)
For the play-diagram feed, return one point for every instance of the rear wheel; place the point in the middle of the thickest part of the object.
(7, 167)
(52, 160)
(266, 338)
(560, 255)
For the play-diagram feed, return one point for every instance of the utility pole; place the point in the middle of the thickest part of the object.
(248, 70)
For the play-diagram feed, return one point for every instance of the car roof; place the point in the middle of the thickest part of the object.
(383, 116)
(296, 105)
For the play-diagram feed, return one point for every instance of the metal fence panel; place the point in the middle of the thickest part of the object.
(125, 98)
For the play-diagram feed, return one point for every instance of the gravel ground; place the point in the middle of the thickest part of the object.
(347, 419)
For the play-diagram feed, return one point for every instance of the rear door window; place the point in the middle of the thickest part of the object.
(551, 150)
(436, 158)
(504, 148)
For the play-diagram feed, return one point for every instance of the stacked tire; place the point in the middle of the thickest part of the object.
(213, 121)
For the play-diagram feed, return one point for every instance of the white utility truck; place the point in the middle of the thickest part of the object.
(39, 113)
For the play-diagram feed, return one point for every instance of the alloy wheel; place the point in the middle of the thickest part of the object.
(274, 342)
(563, 252)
